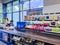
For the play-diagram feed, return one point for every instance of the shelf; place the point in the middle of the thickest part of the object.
(48, 37)
(6, 42)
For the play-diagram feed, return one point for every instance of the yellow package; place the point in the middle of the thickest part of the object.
(54, 17)
(5, 20)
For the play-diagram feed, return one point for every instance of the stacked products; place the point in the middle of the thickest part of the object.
(41, 27)
(39, 43)
(42, 17)
(44, 22)
(26, 41)
(34, 13)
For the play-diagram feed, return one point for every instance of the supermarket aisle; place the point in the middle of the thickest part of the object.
(1, 43)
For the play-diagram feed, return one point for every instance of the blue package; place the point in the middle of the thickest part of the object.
(47, 17)
(53, 23)
(48, 28)
(21, 25)
(37, 18)
(27, 23)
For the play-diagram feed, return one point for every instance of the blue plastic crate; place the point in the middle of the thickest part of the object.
(21, 25)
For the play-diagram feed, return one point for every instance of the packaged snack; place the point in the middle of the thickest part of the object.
(56, 29)
(27, 17)
(48, 17)
(32, 18)
(54, 17)
(48, 28)
(37, 18)
(59, 18)
(41, 17)
(53, 23)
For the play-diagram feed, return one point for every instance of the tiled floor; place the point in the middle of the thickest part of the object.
(1, 43)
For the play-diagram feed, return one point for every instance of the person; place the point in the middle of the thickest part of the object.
(11, 23)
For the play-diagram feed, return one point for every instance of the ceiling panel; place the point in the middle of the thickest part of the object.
(5, 1)
(51, 2)
(0, 1)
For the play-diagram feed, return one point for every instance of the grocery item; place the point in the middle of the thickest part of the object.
(42, 28)
(48, 17)
(16, 38)
(54, 17)
(39, 43)
(37, 18)
(5, 20)
(32, 18)
(46, 24)
(41, 17)
(44, 18)
(58, 23)
(48, 29)
(21, 26)
(28, 40)
(11, 28)
(59, 17)
(32, 13)
(28, 26)
(34, 27)
(53, 23)
(56, 29)
(5, 36)
(27, 18)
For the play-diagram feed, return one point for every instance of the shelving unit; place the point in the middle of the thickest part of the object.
(46, 37)
(2, 38)
(52, 20)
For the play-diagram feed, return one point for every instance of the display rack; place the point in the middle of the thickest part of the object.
(3, 38)
(53, 20)
(46, 37)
